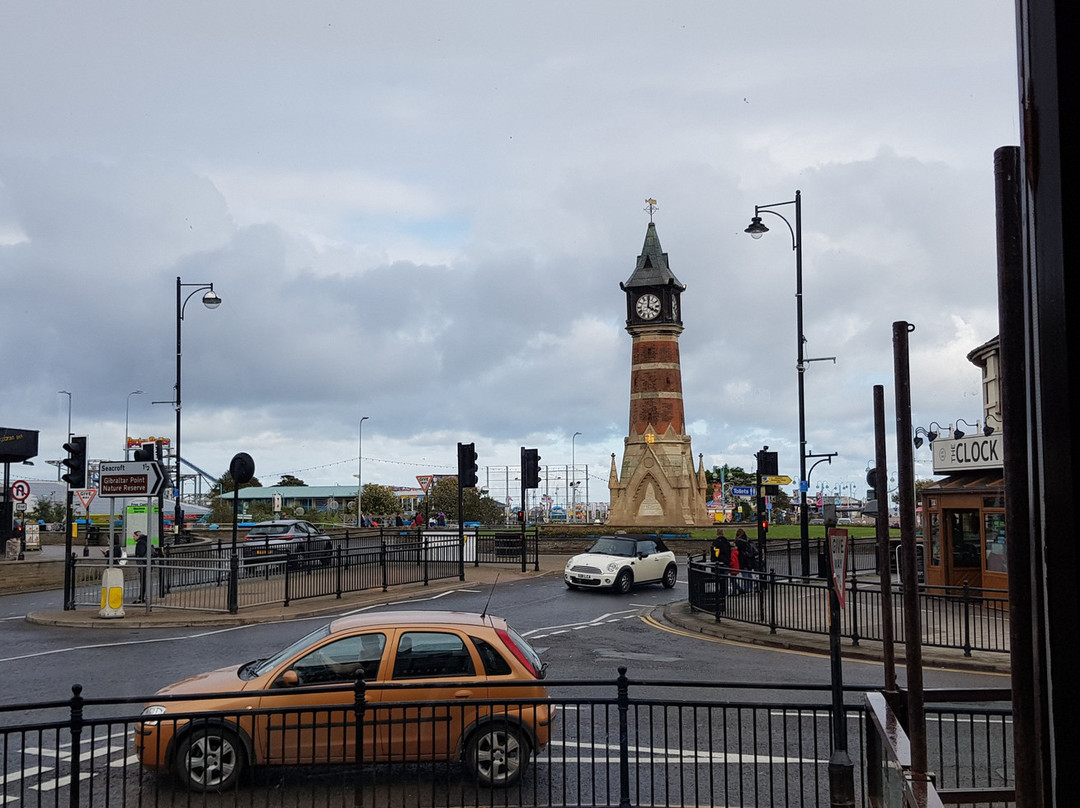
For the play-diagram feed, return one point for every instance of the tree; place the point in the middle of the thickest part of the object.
(47, 510)
(732, 475)
(379, 500)
(478, 506)
(289, 480)
(225, 485)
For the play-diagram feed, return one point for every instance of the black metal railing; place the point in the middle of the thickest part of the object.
(591, 742)
(964, 618)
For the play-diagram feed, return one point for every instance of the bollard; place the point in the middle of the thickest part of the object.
(112, 593)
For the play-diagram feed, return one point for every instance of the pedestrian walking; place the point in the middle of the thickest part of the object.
(142, 552)
(747, 559)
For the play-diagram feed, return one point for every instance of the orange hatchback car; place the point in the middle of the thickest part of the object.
(431, 696)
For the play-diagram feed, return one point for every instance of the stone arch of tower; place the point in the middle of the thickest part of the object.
(649, 497)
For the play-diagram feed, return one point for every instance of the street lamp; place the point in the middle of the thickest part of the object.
(66, 393)
(573, 478)
(757, 230)
(211, 301)
(127, 412)
(360, 474)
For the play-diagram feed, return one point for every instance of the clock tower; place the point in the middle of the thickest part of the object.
(657, 485)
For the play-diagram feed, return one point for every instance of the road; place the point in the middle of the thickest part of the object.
(580, 634)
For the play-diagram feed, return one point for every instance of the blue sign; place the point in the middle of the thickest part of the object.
(804, 485)
(742, 490)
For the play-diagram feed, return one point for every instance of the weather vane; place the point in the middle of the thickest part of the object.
(651, 207)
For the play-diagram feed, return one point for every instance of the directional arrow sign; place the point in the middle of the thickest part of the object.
(772, 479)
(138, 478)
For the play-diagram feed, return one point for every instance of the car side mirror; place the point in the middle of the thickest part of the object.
(289, 679)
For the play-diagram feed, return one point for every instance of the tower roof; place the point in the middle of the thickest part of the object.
(652, 265)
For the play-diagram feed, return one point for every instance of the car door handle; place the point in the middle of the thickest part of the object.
(463, 694)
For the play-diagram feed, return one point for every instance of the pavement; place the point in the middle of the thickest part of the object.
(675, 616)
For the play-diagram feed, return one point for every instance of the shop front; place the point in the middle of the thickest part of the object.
(963, 515)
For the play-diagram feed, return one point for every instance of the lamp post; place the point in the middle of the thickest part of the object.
(573, 477)
(66, 393)
(127, 413)
(211, 301)
(360, 474)
(757, 230)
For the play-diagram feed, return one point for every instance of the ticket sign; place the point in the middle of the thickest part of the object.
(838, 550)
(138, 478)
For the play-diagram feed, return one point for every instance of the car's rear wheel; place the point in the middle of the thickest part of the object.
(498, 754)
(671, 575)
(623, 581)
(210, 759)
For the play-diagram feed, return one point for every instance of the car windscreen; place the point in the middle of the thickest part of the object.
(269, 530)
(272, 662)
(615, 547)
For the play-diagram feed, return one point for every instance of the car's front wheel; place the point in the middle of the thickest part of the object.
(210, 759)
(671, 576)
(623, 581)
(498, 754)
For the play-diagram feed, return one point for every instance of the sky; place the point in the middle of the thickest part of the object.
(420, 213)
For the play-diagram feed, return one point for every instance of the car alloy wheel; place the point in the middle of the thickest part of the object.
(671, 575)
(210, 759)
(498, 754)
(623, 582)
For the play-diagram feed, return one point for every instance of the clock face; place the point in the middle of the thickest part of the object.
(648, 307)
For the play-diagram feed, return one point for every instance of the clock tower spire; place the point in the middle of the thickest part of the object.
(658, 485)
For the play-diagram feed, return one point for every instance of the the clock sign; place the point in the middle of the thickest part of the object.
(648, 307)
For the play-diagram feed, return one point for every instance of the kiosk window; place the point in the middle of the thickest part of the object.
(994, 527)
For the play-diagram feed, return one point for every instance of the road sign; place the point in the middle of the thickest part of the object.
(425, 481)
(838, 549)
(86, 496)
(20, 490)
(742, 490)
(135, 478)
(773, 479)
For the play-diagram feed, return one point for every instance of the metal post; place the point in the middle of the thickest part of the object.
(882, 533)
(909, 570)
(360, 475)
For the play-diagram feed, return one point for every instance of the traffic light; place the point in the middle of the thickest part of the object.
(530, 467)
(76, 462)
(521, 516)
(870, 506)
(769, 466)
(764, 525)
(146, 452)
(466, 465)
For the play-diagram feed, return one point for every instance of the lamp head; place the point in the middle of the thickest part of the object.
(211, 300)
(988, 430)
(756, 228)
(931, 433)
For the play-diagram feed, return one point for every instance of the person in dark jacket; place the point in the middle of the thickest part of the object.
(721, 549)
(747, 558)
(142, 550)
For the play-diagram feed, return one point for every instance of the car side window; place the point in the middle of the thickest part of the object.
(647, 546)
(431, 654)
(342, 660)
(493, 661)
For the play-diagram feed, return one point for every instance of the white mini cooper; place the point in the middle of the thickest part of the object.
(620, 562)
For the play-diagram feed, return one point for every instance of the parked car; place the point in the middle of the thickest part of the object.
(620, 562)
(275, 538)
(453, 655)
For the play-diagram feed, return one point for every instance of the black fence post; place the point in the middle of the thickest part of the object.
(69, 583)
(382, 565)
(853, 595)
(359, 707)
(523, 546)
(623, 700)
(234, 583)
(288, 574)
(76, 727)
(338, 570)
(772, 601)
(967, 620)
(719, 585)
(536, 549)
